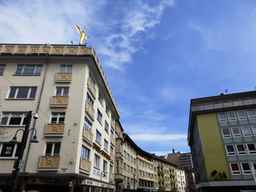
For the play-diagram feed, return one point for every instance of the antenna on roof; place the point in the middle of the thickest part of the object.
(226, 91)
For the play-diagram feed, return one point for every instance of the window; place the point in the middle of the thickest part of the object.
(2, 67)
(236, 131)
(230, 150)
(9, 150)
(87, 124)
(107, 110)
(85, 153)
(112, 133)
(241, 115)
(58, 118)
(28, 70)
(52, 149)
(226, 133)
(231, 116)
(240, 149)
(105, 145)
(222, 117)
(62, 91)
(254, 129)
(105, 166)
(92, 80)
(246, 131)
(111, 150)
(111, 168)
(96, 161)
(127, 168)
(106, 127)
(98, 137)
(251, 148)
(124, 166)
(251, 113)
(22, 93)
(99, 116)
(66, 68)
(100, 98)
(89, 100)
(13, 119)
(246, 168)
(124, 154)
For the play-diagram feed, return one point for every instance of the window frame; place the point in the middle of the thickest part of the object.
(66, 68)
(9, 116)
(105, 145)
(85, 153)
(64, 91)
(58, 116)
(241, 152)
(243, 117)
(105, 166)
(253, 129)
(96, 161)
(23, 69)
(99, 116)
(249, 115)
(87, 124)
(98, 137)
(246, 171)
(230, 153)
(106, 127)
(14, 151)
(53, 147)
(246, 134)
(231, 118)
(17, 91)
(226, 135)
(235, 135)
(2, 68)
(251, 152)
(221, 120)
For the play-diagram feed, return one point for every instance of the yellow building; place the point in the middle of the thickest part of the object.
(222, 137)
(66, 87)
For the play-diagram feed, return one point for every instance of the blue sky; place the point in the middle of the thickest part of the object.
(157, 55)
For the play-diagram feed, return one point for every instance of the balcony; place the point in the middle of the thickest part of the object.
(63, 77)
(59, 101)
(88, 136)
(54, 130)
(89, 110)
(91, 87)
(111, 176)
(85, 165)
(49, 163)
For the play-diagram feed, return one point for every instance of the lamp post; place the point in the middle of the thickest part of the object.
(19, 162)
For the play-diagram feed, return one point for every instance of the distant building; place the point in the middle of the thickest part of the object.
(222, 137)
(76, 122)
(181, 180)
(184, 162)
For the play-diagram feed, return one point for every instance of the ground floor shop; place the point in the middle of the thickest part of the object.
(57, 185)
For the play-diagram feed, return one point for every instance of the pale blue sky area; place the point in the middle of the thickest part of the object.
(157, 55)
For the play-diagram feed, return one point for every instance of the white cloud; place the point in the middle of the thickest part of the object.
(158, 137)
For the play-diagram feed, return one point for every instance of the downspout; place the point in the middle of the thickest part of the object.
(37, 108)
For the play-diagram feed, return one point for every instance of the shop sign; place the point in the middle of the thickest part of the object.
(100, 174)
(97, 184)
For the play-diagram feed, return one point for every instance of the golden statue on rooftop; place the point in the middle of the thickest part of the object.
(82, 35)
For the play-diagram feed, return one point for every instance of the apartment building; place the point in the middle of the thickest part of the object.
(181, 180)
(184, 162)
(222, 137)
(65, 85)
(165, 174)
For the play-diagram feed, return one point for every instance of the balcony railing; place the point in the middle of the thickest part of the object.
(88, 135)
(89, 110)
(85, 165)
(54, 130)
(111, 176)
(49, 162)
(91, 87)
(59, 101)
(63, 77)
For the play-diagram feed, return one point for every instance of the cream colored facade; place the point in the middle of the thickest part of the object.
(66, 87)
(181, 180)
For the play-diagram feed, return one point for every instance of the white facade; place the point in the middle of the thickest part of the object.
(181, 180)
(66, 87)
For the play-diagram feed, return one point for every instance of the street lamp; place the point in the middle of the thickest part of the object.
(19, 162)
